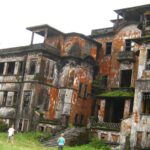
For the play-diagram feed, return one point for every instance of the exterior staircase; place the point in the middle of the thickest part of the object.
(73, 136)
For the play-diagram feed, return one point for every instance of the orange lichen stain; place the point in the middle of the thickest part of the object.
(53, 99)
(93, 52)
(136, 117)
(80, 106)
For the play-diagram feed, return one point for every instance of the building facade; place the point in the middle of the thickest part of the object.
(71, 78)
(50, 81)
(122, 106)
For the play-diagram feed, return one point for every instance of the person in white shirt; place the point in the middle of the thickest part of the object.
(11, 132)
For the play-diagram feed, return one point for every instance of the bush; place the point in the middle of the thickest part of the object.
(97, 144)
(3, 126)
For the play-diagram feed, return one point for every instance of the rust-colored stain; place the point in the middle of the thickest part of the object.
(53, 100)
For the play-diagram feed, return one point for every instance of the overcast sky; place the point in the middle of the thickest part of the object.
(65, 15)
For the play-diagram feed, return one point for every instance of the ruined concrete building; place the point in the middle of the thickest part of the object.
(101, 80)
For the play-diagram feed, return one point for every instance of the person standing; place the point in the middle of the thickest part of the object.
(61, 142)
(11, 132)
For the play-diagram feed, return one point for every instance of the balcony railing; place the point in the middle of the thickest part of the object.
(110, 126)
(126, 56)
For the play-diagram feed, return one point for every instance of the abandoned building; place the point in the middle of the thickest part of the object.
(101, 80)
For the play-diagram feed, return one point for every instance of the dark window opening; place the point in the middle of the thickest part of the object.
(147, 17)
(20, 125)
(104, 81)
(15, 98)
(32, 67)
(52, 70)
(80, 89)
(81, 119)
(5, 98)
(146, 103)
(26, 102)
(86, 91)
(114, 110)
(131, 106)
(20, 71)
(1, 68)
(11, 67)
(76, 120)
(108, 48)
(148, 60)
(125, 80)
(128, 45)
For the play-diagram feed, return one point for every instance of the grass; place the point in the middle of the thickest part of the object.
(29, 141)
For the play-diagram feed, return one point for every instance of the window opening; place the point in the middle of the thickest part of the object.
(20, 71)
(125, 80)
(128, 45)
(11, 67)
(108, 48)
(114, 110)
(104, 81)
(27, 98)
(1, 68)
(33, 64)
(146, 103)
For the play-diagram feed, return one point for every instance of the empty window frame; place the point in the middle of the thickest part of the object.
(10, 68)
(104, 81)
(147, 19)
(4, 98)
(148, 60)
(86, 91)
(20, 69)
(27, 99)
(125, 78)
(128, 45)
(1, 68)
(108, 48)
(80, 89)
(146, 103)
(33, 64)
(82, 92)
(15, 98)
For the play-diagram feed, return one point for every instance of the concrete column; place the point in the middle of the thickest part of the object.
(126, 108)
(32, 38)
(5, 68)
(101, 111)
(46, 33)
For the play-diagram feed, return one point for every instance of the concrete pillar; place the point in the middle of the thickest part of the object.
(126, 108)
(32, 38)
(101, 111)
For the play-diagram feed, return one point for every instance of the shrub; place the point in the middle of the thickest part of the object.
(97, 144)
(3, 126)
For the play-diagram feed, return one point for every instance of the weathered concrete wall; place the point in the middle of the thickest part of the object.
(82, 107)
(109, 65)
(140, 122)
(109, 136)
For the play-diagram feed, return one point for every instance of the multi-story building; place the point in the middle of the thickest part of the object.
(48, 81)
(123, 118)
(51, 82)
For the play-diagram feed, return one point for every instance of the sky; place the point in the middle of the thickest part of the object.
(65, 15)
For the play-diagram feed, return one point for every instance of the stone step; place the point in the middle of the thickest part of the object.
(71, 135)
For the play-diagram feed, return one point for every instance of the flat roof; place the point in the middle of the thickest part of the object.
(40, 29)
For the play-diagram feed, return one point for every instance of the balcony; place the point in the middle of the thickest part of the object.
(126, 56)
(107, 126)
